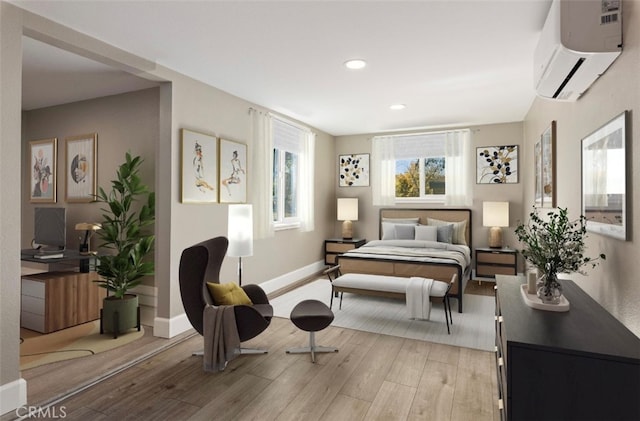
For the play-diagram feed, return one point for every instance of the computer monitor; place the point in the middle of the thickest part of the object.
(50, 228)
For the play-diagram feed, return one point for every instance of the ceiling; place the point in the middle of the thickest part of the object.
(451, 62)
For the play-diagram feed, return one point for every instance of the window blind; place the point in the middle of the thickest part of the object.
(419, 145)
(287, 136)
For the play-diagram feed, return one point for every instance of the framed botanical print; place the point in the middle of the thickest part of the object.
(548, 166)
(497, 164)
(80, 167)
(233, 172)
(353, 170)
(199, 167)
(43, 155)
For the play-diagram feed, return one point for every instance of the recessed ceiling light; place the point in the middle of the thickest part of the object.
(355, 64)
(398, 107)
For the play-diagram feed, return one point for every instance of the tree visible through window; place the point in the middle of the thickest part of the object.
(420, 177)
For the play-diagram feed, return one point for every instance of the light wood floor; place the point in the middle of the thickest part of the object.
(372, 377)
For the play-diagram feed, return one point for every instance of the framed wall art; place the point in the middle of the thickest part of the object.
(80, 167)
(604, 178)
(233, 172)
(497, 164)
(43, 158)
(199, 167)
(548, 166)
(537, 169)
(353, 170)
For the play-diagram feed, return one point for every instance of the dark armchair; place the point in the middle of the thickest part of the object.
(200, 264)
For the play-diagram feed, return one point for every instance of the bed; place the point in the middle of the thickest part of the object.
(404, 248)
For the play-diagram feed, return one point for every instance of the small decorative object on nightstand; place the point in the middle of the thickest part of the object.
(335, 246)
(491, 262)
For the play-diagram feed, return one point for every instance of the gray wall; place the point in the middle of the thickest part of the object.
(486, 135)
(615, 283)
(126, 122)
(183, 103)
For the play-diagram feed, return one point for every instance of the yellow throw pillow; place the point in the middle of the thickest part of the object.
(228, 294)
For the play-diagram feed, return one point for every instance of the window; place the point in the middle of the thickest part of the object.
(423, 167)
(421, 178)
(285, 186)
(292, 177)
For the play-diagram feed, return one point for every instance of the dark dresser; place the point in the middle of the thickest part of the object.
(579, 365)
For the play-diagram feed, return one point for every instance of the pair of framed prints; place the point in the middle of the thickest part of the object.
(213, 170)
(80, 170)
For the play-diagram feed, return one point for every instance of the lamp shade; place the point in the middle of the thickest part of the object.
(495, 214)
(240, 231)
(88, 226)
(348, 209)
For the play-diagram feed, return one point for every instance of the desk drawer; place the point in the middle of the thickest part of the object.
(33, 288)
(32, 321)
(32, 305)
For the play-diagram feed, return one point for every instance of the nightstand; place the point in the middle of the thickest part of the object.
(492, 261)
(335, 246)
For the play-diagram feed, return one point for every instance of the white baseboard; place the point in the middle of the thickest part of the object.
(168, 328)
(12, 396)
(291, 277)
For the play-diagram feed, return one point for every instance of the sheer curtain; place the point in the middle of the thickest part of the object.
(262, 174)
(307, 177)
(383, 174)
(458, 167)
(454, 145)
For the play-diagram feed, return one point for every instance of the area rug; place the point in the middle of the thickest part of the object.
(472, 329)
(78, 341)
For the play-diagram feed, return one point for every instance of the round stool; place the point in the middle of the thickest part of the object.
(311, 316)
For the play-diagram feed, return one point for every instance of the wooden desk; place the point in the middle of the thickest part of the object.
(56, 300)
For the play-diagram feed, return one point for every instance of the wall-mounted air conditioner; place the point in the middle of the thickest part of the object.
(579, 41)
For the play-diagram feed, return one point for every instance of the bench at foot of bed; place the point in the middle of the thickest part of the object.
(384, 286)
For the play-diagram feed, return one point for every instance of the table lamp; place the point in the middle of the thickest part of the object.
(89, 229)
(495, 215)
(347, 212)
(240, 234)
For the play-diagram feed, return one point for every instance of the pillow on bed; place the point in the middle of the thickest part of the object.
(413, 221)
(459, 229)
(397, 231)
(426, 233)
(445, 233)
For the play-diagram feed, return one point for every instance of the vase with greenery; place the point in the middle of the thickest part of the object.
(554, 246)
(127, 237)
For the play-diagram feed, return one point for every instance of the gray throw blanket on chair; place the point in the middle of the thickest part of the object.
(221, 340)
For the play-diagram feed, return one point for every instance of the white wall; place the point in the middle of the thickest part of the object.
(614, 284)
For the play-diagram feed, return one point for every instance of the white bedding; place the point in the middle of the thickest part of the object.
(415, 251)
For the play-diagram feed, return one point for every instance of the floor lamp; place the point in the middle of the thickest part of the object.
(240, 234)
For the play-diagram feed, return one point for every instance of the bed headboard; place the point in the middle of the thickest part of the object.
(445, 214)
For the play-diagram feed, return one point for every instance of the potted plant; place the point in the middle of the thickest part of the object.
(127, 239)
(554, 246)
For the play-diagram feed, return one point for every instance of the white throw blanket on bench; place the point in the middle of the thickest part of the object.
(417, 296)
